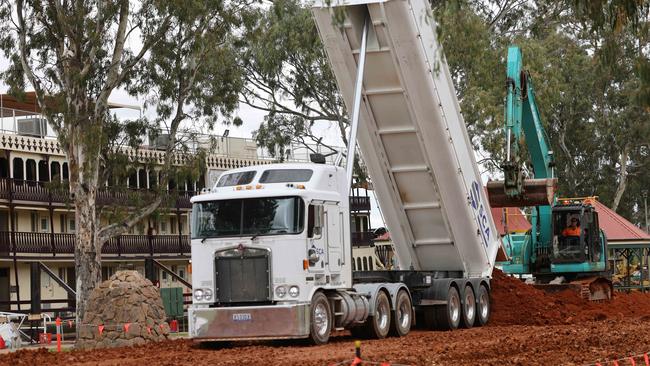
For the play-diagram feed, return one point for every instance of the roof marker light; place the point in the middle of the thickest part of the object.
(248, 188)
(300, 186)
(259, 186)
(238, 188)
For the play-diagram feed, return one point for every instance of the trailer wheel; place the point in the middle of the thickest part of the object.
(320, 319)
(469, 307)
(483, 306)
(402, 316)
(448, 316)
(379, 325)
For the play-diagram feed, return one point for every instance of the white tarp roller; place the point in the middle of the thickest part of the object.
(412, 136)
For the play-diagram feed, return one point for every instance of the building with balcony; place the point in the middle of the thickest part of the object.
(37, 219)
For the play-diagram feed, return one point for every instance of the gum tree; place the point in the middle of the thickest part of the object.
(74, 54)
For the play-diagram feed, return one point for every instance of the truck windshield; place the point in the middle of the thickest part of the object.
(251, 216)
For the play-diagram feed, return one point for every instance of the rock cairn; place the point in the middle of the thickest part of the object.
(124, 310)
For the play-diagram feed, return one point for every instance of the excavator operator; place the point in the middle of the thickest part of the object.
(573, 229)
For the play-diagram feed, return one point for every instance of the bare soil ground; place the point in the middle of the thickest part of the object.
(528, 327)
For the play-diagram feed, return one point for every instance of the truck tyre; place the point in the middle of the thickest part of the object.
(483, 307)
(378, 325)
(402, 316)
(448, 316)
(320, 319)
(469, 307)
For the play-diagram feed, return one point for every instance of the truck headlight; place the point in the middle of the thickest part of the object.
(198, 294)
(207, 294)
(294, 291)
(281, 291)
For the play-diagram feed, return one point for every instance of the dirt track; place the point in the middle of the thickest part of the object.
(527, 327)
(497, 345)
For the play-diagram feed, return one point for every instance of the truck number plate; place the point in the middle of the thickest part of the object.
(242, 317)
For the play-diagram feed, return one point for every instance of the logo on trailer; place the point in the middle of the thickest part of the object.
(480, 213)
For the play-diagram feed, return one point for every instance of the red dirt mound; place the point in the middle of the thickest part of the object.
(516, 303)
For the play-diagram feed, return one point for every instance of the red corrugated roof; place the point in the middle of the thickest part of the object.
(616, 227)
(512, 218)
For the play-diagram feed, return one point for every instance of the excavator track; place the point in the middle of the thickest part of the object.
(589, 288)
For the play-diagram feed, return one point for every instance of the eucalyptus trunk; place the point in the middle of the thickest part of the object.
(83, 160)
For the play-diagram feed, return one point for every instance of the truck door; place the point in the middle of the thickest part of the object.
(334, 235)
(317, 238)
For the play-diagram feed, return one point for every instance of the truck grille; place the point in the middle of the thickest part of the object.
(242, 275)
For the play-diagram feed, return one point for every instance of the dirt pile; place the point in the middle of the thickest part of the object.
(124, 310)
(516, 303)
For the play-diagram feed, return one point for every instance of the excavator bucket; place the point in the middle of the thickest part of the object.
(536, 192)
(589, 288)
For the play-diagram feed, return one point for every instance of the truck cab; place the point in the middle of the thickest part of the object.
(266, 238)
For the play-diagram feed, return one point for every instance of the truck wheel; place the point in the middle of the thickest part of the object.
(448, 316)
(469, 307)
(402, 316)
(379, 324)
(483, 306)
(320, 319)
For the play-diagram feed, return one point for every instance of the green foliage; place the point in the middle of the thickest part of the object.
(590, 75)
(288, 76)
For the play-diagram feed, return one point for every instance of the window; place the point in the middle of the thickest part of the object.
(172, 225)
(315, 221)
(55, 167)
(365, 263)
(33, 219)
(354, 267)
(65, 174)
(359, 264)
(235, 179)
(19, 172)
(286, 175)
(370, 265)
(31, 170)
(175, 270)
(72, 225)
(252, 216)
(45, 227)
(62, 224)
(181, 272)
(163, 227)
(43, 171)
(164, 275)
(62, 273)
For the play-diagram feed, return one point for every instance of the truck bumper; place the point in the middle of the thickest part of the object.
(250, 322)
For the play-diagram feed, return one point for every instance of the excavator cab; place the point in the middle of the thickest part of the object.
(578, 243)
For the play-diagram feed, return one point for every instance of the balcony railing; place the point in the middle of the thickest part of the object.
(363, 238)
(58, 243)
(359, 203)
(58, 192)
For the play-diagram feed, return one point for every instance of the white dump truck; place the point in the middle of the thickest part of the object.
(271, 250)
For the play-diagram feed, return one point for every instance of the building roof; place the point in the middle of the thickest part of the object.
(510, 218)
(29, 106)
(616, 227)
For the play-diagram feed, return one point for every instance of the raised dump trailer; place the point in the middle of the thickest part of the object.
(271, 251)
(412, 136)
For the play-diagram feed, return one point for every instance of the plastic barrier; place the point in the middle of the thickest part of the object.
(358, 361)
(643, 359)
(45, 338)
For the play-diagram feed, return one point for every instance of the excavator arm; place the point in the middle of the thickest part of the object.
(524, 132)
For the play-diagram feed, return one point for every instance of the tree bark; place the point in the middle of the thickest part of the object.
(83, 158)
(622, 180)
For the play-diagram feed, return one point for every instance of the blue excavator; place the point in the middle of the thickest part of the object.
(565, 247)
